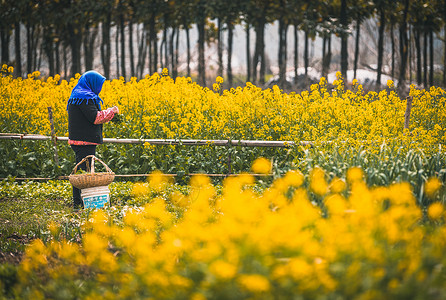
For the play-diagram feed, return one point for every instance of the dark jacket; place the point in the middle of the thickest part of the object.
(81, 125)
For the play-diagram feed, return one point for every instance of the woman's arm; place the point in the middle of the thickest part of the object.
(105, 116)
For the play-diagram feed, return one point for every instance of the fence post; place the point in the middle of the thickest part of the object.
(407, 113)
(53, 135)
(229, 157)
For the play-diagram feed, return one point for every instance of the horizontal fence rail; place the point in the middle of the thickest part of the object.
(64, 177)
(244, 143)
(189, 142)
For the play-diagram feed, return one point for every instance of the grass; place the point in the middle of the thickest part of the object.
(26, 210)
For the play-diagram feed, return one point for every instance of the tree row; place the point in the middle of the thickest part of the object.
(147, 32)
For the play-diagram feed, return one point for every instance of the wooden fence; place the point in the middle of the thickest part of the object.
(190, 142)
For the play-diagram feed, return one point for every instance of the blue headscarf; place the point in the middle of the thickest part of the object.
(87, 88)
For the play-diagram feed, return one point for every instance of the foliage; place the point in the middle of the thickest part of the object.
(381, 168)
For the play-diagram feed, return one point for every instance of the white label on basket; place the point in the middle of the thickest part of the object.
(95, 201)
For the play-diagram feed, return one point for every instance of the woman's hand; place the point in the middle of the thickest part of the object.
(115, 109)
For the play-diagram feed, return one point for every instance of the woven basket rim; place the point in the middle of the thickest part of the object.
(92, 174)
(91, 179)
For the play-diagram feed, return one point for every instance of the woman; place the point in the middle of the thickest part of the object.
(85, 119)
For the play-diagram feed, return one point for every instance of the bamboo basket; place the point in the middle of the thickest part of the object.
(91, 179)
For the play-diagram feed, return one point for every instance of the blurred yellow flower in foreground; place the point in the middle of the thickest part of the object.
(223, 270)
(254, 283)
(435, 210)
(261, 166)
(354, 174)
(432, 186)
(318, 184)
(158, 180)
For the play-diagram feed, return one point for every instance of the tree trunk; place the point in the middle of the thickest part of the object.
(177, 45)
(344, 39)
(5, 37)
(29, 56)
(88, 58)
(201, 59)
(444, 55)
(425, 60)
(142, 49)
(259, 53)
(65, 61)
(410, 54)
(117, 50)
(57, 57)
(324, 56)
(164, 46)
(306, 56)
(90, 35)
(132, 57)
(149, 54)
(201, 39)
(283, 30)
(248, 54)
(35, 44)
(122, 27)
(75, 44)
(48, 48)
(230, 42)
(444, 45)
(39, 60)
(172, 52)
(188, 48)
(106, 45)
(392, 42)
(358, 30)
(444, 59)
(255, 58)
(417, 35)
(18, 54)
(296, 53)
(404, 45)
(382, 24)
(262, 53)
(280, 54)
(431, 58)
(154, 45)
(219, 48)
(329, 54)
(285, 51)
(161, 56)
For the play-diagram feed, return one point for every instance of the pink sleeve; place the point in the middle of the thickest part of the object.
(104, 116)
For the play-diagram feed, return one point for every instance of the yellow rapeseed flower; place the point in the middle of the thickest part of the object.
(354, 174)
(140, 189)
(336, 204)
(223, 270)
(435, 211)
(337, 185)
(294, 178)
(157, 181)
(390, 84)
(432, 186)
(262, 166)
(254, 283)
(200, 181)
(318, 184)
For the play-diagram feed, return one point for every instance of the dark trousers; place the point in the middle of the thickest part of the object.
(81, 152)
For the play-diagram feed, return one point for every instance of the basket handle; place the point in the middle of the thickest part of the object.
(91, 170)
